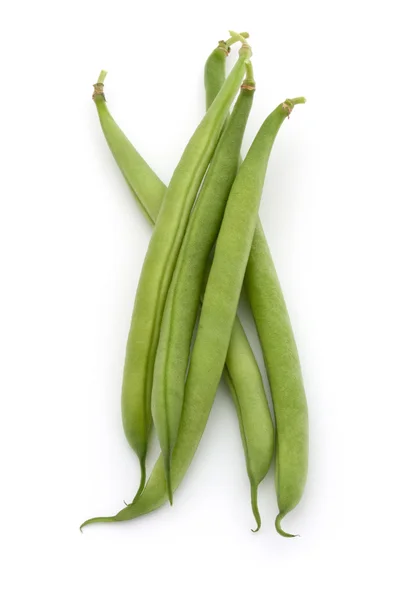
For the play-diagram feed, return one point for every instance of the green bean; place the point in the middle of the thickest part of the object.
(217, 316)
(181, 308)
(284, 374)
(281, 360)
(160, 262)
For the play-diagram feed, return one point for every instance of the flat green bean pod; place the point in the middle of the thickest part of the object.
(181, 308)
(241, 371)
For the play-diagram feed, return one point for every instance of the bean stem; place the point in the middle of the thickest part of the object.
(102, 77)
(236, 37)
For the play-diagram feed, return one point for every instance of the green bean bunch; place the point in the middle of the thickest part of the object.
(207, 243)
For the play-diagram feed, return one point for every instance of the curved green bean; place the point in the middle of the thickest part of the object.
(284, 374)
(243, 376)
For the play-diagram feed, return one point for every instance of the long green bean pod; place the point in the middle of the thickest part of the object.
(242, 372)
(181, 308)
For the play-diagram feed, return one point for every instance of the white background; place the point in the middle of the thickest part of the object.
(339, 210)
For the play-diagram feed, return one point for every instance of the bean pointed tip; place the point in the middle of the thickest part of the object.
(169, 489)
(279, 528)
(96, 520)
(255, 509)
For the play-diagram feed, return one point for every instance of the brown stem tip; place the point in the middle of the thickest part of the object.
(98, 90)
(224, 46)
(289, 104)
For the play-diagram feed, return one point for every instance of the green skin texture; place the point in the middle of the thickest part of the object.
(217, 317)
(181, 308)
(241, 372)
(159, 264)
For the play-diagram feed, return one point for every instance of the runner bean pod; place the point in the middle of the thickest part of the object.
(244, 378)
